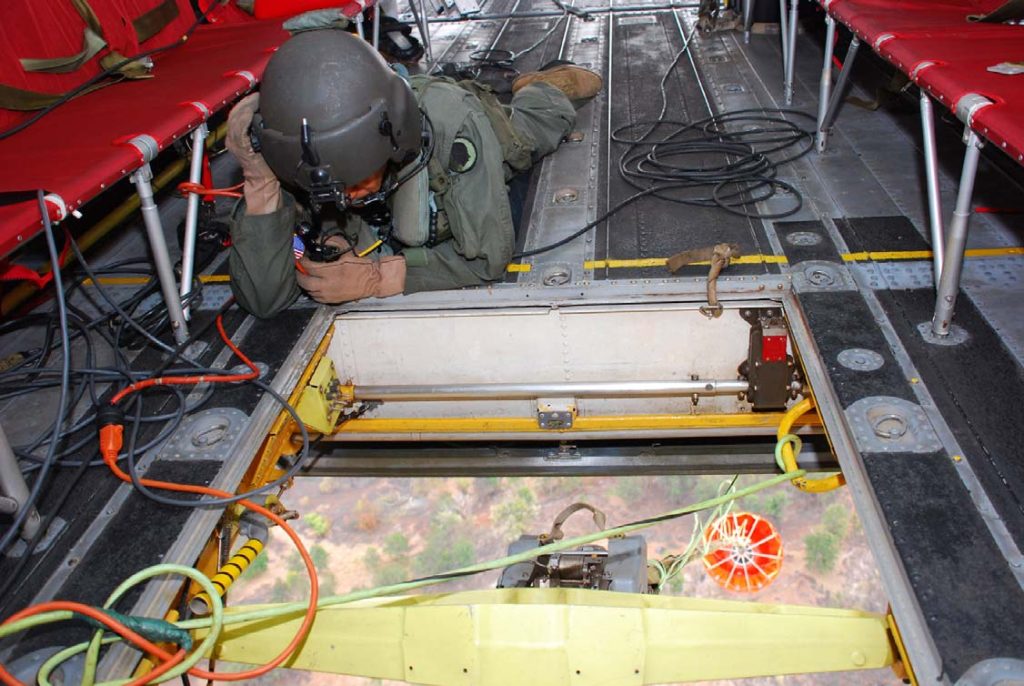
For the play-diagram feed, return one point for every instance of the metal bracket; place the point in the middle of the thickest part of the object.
(815, 276)
(556, 414)
(51, 535)
(861, 359)
(884, 424)
(956, 335)
(207, 435)
(968, 105)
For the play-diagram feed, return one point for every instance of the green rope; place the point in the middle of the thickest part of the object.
(217, 619)
(797, 445)
(151, 629)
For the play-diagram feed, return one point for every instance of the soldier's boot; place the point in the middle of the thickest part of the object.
(578, 84)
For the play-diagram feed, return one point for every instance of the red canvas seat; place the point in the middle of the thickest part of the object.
(948, 56)
(82, 147)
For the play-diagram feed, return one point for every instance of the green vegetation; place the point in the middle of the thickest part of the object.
(318, 524)
(319, 556)
(385, 571)
(822, 551)
(836, 520)
(824, 543)
(630, 488)
(449, 542)
(396, 545)
(516, 515)
(767, 504)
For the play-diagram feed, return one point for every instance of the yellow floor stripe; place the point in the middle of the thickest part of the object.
(140, 280)
(652, 262)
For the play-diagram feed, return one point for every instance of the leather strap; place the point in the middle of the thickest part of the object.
(556, 533)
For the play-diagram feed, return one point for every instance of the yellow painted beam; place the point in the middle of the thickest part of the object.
(637, 422)
(541, 637)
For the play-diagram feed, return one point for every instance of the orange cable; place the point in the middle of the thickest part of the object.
(108, 621)
(198, 379)
(187, 187)
(110, 446)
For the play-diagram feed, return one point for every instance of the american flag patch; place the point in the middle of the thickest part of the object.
(298, 247)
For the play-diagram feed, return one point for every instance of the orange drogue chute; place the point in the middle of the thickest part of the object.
(745, 552)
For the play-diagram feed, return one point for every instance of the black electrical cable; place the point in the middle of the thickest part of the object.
(172, 419)
(290, 473)
(58, 424)
(110, 71)
(126, 317)
(751, 144)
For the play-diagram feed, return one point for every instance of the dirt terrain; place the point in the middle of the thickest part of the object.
(365, 532)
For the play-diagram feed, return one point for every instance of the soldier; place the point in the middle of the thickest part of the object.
(403, 183)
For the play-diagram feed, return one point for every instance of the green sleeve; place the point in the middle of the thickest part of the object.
(480, 220)
(261, 262)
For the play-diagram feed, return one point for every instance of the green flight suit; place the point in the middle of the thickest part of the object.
(474, 202)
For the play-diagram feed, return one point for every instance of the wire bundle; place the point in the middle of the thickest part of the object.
(733, 158)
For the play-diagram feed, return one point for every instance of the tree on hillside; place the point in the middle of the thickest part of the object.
(822, 551)
(448, 545)
(516, 515)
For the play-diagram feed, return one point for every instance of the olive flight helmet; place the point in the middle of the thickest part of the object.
(332, 113)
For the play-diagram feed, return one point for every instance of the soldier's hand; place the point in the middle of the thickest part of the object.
(351, 277)
(262, 190)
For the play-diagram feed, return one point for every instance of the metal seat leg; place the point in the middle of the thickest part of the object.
(825, 86)
(161, 257)
(748, 19)
(931, 174)
(784, 36)
(790, 45)
(376, 26)
(956, 240)
(419, 13)
(838, 93)
(14, 492)
(188, 249)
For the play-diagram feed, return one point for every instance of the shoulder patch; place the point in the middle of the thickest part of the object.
(463, 155)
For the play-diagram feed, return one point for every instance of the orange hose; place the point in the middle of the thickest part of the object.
(110, 459)
(187, 187)
(198, 379)
(110, 446)
(108, 621)
(307, 621)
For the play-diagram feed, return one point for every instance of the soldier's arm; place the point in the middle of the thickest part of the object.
(481, 220)
(261, 262)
